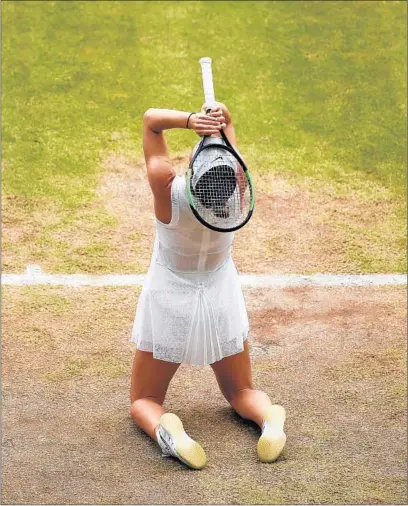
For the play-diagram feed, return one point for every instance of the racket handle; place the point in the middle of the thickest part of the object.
(208, 84)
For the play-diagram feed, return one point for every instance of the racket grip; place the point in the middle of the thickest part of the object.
(208, 84)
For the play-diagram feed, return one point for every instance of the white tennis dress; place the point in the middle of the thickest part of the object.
(191, 309)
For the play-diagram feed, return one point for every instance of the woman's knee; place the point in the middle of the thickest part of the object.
(231, 389)
(143, 392)
(249, 393)
(139, 403)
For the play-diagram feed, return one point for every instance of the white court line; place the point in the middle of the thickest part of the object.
(35, 276)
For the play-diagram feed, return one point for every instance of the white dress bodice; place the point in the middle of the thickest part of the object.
(185, 245)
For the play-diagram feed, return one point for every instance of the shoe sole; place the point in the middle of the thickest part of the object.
(272, 441)
(188, 450)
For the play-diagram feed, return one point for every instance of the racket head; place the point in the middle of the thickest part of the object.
(218, 186)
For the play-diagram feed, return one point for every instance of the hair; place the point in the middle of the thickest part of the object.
(211, 194)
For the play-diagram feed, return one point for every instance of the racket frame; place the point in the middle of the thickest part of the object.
(189, 182)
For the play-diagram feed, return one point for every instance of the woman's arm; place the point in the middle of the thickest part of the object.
(164, 119)
(155, 121)
(160, 171)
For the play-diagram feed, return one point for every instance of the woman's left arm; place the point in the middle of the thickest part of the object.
(158, 120)
(159, 169)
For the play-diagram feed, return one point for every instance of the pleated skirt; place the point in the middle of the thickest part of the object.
(191, 318)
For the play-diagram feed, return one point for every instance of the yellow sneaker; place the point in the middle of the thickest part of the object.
(273, 439)
(174, 442)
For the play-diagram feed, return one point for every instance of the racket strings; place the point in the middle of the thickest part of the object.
(220, 189)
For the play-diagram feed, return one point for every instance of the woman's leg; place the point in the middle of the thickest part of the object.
(150, 380)
(234, 378)
(149, 383)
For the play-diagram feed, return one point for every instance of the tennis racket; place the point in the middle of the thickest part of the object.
(218, 185)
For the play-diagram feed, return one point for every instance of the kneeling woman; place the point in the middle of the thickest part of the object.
(191, 309)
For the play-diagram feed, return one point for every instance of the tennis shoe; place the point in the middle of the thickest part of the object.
(273, 438)
(174, 442)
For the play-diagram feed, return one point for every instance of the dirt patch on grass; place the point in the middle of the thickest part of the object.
(126, 192)
(294, 228)
(284, 318)
(303, 227)
(61, 240)
(312, 228)
(21, 231)
(67, 436)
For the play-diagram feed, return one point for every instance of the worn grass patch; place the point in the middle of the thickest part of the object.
(67, 334)
(299, 225)
(363, 366)
(102, 365)
(309, 225)
(34, 301)
(346, 490)
(346, 406)
(64, 241)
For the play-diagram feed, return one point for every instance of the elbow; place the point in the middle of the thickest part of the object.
(147, 116)
(150, 118)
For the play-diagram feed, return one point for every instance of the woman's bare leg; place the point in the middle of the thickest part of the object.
(150, 380)
(234, 378)
(149, 383)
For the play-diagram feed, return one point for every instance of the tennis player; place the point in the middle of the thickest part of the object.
(191, 309)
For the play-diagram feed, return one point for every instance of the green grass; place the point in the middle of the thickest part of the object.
(316, 89)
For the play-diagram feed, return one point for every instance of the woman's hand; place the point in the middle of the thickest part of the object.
(219, 109)
(207, 124)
